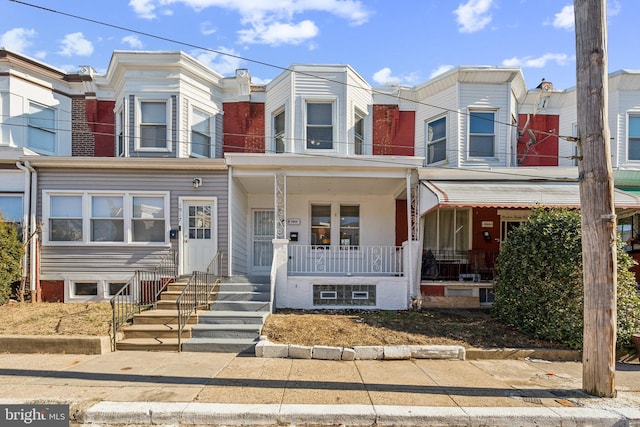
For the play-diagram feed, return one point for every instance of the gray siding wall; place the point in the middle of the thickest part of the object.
(59, 260)
(239, 217)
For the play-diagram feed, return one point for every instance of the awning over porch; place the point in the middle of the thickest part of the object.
(509, 194)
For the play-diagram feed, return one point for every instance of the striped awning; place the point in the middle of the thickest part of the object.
(509, 194)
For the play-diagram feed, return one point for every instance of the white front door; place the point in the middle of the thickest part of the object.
(263, 232)
(200, 241)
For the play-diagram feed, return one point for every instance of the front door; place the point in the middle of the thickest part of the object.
(263, 232)
(200, 240)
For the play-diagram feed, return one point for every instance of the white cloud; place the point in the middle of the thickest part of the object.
(539, 62)
(440, 70)
(143, 8)
(259, 81)
(41, 54)
(75, 44)
(613, 8)
(278, 33)
(384, 77)
(221, 62)
(207, 29)
(473, 15)
(133, 41)
(564, 19)
(18, 39)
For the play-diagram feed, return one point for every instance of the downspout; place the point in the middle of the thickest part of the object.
(33, 233)
(26, 218)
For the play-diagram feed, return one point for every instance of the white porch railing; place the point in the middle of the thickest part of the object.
(345, 260)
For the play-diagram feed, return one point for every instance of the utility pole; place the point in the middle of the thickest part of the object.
(599, 256)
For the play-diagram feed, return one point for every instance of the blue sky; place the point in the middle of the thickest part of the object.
(387, 42)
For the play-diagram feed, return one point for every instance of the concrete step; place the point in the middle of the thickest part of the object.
(250, 331)
(232, 317)
(245, 287)
(155, 331)
(242, 296)
(148, 344)
(221, 345)
(241, 306)
(248, 279)
(159, 317)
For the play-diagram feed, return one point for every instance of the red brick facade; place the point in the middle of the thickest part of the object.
(243, 127)
(93, 128)
(544, 150)
(52, 290)
(393, 131)
(82, 139)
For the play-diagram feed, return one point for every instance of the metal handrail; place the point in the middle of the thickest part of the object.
(196, 293)
(141, 291)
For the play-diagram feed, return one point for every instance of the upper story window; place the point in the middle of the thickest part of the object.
(153, 126)
(278, 132)
(481, 134)
(106, 218)
(437, 140)
(200, 134)
(120, 144)
(358, 133)
(42, 128)
(320, 125)
(633, 137)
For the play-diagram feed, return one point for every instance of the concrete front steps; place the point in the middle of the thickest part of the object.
(236, 317)
(157, 329)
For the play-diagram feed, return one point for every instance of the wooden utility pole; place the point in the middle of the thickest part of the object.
(596, 200)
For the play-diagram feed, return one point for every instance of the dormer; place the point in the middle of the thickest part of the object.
(467, 117)
(167, 104)
(318, 110)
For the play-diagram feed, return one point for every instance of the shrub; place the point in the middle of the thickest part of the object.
(10, 257)
(539, 283)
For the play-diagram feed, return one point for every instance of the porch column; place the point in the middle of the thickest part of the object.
(280, 205)
(412, 250)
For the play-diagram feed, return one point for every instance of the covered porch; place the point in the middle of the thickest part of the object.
(331, 232)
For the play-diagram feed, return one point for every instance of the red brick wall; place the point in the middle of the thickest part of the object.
(101, 120)
(545, 151)
(244, 127)
(82, 142)
(52, 290)
(393, 131)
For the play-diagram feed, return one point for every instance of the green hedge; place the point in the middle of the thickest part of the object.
(539, 284)
(10, 256)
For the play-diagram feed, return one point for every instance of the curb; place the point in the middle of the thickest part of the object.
(63, 344)
(196, 413)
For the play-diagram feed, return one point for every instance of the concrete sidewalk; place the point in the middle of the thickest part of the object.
(141, 388)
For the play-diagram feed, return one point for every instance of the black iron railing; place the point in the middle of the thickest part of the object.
(196, 294)
(473, 265)
(141, 292)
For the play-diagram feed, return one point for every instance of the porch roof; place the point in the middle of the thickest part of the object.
(509, 194)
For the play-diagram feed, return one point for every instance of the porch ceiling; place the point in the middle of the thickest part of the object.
(505, 194)
(333, 184)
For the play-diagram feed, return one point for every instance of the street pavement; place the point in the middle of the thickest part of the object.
(168, 388)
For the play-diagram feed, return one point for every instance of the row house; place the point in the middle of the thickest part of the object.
(342, 194)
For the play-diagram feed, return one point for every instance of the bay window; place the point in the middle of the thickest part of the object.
(437, 140)
(481, 134)
(42, 128)
(633, 137)
(358, 133)
(200, 134)
(320, 125)
(106, 218)
(153, 125)
(278, 132)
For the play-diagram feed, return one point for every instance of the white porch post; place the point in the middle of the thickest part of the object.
(280, 261)
(412, 250)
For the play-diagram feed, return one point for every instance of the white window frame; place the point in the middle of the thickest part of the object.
(470, 135)
(121, 131)
(335, 227)
(282, 134)
(429, 143)
(139, 124)
(103, 281)
(52, 130)
(22, 210)
(359, 140)
(630, 115)
(334, 107)
(86, 217)
(210, 133)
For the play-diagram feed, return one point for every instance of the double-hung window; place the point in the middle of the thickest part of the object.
(348, 228)
(278, 132)
(437, 140)
(320, 224)
(320, 125)
(349, 225)
(358, 133)
(42, 128)
(120, 141)
(200, 134)
(633, 137)
(481, 134)
(106, 218)
(153, 125)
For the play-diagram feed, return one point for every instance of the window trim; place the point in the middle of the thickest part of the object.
(432, 143)
(359, 116)
(335, 227)
(121, 130)
(494, 135)
(632, 114)
(86, 217)
(334, 107)
(277, 134)
(52, 130)
(138, 125)
(210, 135)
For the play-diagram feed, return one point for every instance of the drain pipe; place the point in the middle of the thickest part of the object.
(31, 193)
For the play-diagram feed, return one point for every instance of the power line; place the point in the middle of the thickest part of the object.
(373, 91)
